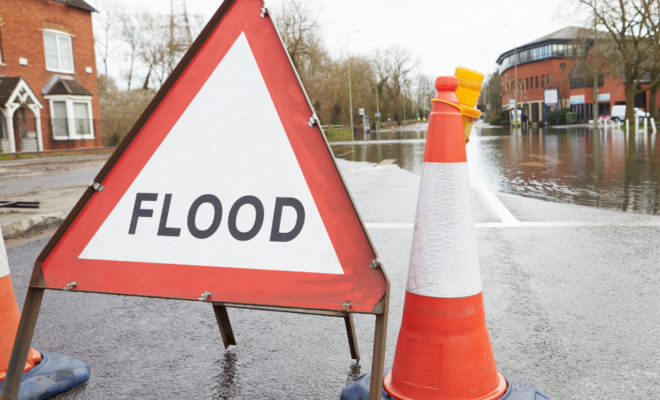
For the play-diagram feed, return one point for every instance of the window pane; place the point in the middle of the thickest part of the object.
(59, 109)
(81, 116)
(59, 119)
(50, 47)
(66, 61)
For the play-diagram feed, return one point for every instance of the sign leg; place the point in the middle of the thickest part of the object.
(352, 337)
(225, 326)
(22, 343)
(378, 363)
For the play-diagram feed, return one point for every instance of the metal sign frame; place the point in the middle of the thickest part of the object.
(37, 284)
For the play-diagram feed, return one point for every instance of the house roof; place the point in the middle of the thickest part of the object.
(65, 85)
(78, 4)
(7, 86)
(17, 90)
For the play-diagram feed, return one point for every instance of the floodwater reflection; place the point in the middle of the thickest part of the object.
(604, 168)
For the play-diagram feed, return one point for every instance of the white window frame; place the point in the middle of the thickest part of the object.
(69, 100)
(58, 35)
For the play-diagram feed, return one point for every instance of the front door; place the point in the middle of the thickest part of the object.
(27, 130)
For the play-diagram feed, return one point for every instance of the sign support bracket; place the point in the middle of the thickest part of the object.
(227, 333)
(224, 324)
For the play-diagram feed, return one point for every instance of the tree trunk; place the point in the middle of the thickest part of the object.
(630, 99)
(652, 101)
(146, 80)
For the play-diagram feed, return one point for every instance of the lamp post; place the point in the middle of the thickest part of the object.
(515, 88)
(487, 93)
(595, 71)
(377, 109)
(350, 93)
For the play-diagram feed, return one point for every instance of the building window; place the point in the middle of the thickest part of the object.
(71, 118)
(0, 48)
(542, 81)
(577, 83)
(59, 52)
(548, 80)
(537, 82)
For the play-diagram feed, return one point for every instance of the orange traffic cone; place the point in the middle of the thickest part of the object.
(45, 373)
(9, 317)
(443, 350)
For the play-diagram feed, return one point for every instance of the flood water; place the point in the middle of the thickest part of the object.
(604, 168)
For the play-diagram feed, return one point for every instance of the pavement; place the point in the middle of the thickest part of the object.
(571, 296)
(57, 182)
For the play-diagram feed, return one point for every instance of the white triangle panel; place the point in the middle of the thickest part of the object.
(229, 143)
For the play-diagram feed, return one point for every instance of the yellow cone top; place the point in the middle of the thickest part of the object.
(469, 86)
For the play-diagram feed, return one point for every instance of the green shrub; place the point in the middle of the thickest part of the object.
(338, 134)
(504, 118)
(555, 117)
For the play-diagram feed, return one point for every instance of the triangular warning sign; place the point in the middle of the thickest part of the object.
(223, 187)
(246, 154)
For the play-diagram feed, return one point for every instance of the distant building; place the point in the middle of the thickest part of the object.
(548, 62)
(48, 93)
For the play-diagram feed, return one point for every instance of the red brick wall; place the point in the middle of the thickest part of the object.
(559, 78)
(21, 37)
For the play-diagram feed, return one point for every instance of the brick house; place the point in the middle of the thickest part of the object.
(48, 93)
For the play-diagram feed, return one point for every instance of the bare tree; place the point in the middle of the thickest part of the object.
(131, 35)
(652, 65)
(301, 33)
(161, 46)
(626, 49)
(394, 67)
(107, 19)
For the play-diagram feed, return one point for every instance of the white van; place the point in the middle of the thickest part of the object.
(619, 113)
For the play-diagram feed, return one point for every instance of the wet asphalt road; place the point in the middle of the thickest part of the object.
(572, 310)
(27, 175)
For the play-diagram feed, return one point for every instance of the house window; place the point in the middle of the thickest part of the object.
(548, 80)
(542, 81)
(537, 82)
(71, 118)
(59, 52)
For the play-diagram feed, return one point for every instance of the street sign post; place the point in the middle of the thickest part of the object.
(188, 209)
(550, 99)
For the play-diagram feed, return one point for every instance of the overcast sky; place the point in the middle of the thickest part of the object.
(442, 34)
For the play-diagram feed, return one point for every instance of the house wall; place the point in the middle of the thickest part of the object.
(21, 37)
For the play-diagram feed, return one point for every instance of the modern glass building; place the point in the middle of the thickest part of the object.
(555, 61)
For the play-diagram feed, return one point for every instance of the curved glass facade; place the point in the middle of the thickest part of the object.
(541, 52)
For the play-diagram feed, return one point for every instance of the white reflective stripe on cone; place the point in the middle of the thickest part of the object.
(444, 260)
(4, 263)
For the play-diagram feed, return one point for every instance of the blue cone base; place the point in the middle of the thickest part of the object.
(358, 389)
(54, 374)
